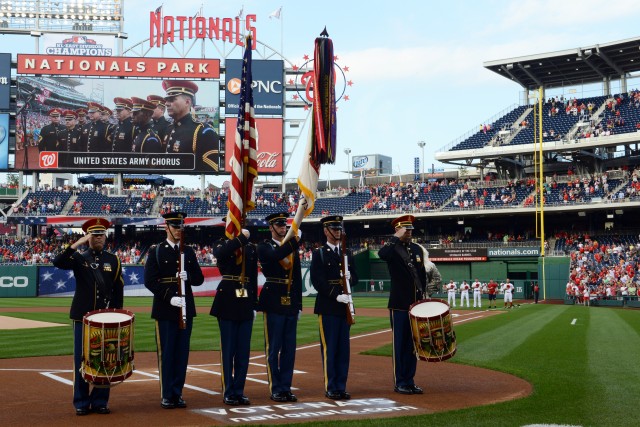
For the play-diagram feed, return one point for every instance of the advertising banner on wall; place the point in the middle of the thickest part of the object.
(270, 159)
(514, 252)
(4, 141)
(50, 150)
(18, 281)
(77, 44)
(5, 80)
(458, 254)
(268, 91)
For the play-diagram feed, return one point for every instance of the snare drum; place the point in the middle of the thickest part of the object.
(432, 330)
(107, 346)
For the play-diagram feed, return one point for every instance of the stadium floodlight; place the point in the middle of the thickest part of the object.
(36, 33)
(122, 35)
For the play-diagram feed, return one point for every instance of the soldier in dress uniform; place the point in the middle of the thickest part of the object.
(162, 277)
(234, 305)
(331, 307)
(123, 132)
(146, 140)
(98, 138)
(82, 116)
(410, 282)
(281, 303)
(99, 285)
(69, 139)
(186, 134)
(48, 139)
(160, 124)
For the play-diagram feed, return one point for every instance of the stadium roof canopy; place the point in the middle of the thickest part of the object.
(571, 67)
(127, 179)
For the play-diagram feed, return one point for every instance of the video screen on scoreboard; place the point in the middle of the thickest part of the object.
(54, 144)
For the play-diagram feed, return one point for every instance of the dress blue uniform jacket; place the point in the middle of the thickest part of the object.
(270, 254)
(158, 269)
(325, 275)
(187, 135)
(226, 305)
(407, 287)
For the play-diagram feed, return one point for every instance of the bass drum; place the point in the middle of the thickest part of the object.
(433, 336)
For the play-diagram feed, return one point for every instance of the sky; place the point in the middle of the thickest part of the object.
(416, 66)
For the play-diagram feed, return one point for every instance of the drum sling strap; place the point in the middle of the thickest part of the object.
(102, 286)
(404, 254)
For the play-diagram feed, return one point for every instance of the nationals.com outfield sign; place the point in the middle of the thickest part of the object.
(117, 66)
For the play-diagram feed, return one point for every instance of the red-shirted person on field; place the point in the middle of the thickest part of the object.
(492, 288)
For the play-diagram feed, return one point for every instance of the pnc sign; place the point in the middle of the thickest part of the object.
(268, 90)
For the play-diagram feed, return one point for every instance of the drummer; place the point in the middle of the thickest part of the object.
(406, 265)
(99, 285)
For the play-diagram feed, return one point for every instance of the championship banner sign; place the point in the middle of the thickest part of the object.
(117, 66)
(77, 44)
(458, 254)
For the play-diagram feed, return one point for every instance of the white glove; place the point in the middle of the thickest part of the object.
(299, 314)
(178, 302)
(347, 274)
(299, 234)
(246, 233)
(343, 299)
(254, 314)
(182, 275)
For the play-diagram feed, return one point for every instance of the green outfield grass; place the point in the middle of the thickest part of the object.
(583, 374)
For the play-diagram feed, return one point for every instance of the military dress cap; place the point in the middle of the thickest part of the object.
(81, 112)
(140, 104)
(405, 221)
(56, 112)
(70, 114)
(179, 87)
(332, 221)
(106, 110)
(279, 218)
(93, 107)
(174, 218)
(123, 103)
(157, 100)
(96, 226)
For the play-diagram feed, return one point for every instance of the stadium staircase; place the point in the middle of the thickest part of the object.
(515, 129)
(595, 117)
(69, 205)
(155, 208)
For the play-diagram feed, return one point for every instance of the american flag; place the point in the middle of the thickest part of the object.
(244, 162)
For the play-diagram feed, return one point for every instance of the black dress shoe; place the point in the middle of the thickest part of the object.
(179, 402)
(344, 395)
(335, 395)
(243, 400)
(167, 404)
(416, 389)
(231, 401)
(82, 411)
(291, 397)
(102, 410)
(403, 389)
(279, 397)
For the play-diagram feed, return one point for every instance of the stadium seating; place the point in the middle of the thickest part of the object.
(481, 138)
(38, 199)
(93, 203)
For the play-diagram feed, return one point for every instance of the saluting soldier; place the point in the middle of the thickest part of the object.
(48, 139)
(410, 282)
(331, 307)
(97, 133)
(162, 277)
(123, 132)
(69, 139)
(99, 285)
(146, 140)
(159, 124)
(281, 303)
(186, 134)
(234, 305)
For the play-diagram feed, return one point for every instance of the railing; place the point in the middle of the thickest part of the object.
(475, 130)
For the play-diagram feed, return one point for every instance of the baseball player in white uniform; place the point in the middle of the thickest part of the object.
(507, 288)
(477, 293)
(451, 293)
(464, 293)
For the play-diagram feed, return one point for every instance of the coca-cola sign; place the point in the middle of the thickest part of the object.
(269, 145)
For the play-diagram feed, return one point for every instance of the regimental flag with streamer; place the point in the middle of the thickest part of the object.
(244, 162)
(321, 143)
